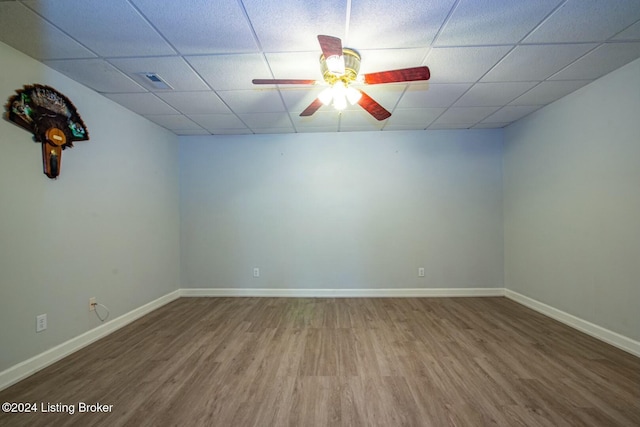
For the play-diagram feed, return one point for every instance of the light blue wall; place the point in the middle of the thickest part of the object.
(342, 211)
(108, 227)
(572, 203)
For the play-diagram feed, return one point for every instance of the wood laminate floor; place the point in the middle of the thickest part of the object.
(339, 362)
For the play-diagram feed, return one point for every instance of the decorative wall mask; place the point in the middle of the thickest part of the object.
(51, 118)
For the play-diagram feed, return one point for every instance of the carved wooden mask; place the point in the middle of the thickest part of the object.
(51, 118)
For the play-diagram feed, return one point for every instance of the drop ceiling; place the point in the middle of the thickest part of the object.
(492, 62)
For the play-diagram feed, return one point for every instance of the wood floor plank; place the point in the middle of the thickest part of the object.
(339, 362)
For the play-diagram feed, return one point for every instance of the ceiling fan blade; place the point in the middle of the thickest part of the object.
(372, 107)
(283, 82)
(312, 108)
(331, 46)
(395, 76)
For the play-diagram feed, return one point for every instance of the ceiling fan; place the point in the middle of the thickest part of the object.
(340, 67)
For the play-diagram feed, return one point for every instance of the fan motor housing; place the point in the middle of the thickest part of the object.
(351, 67)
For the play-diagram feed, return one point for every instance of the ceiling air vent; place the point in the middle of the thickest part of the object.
(155, 80)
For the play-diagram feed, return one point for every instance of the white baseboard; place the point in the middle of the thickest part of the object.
(342, 293)
(22, 370)
(610, 337)
(28, 367)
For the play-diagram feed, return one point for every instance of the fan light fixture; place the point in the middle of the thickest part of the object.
(339, 94)
(340, 66)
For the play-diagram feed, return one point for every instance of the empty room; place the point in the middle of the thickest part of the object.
(320, 213)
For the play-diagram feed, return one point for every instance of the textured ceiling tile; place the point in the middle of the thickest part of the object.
(586, 21)
(320, 120)
(296, 100)
(187, 132)
(97, 74)
(201, 26)
(253, 101)
(391, 59)
(490, 125)
(496, 22)
(92, 22)
(142, 103)
(600, 61)
(462, 64)
(535, 63)
(379, 24)
(195, 102)
(493, 94)
(293, 25)
(175, 122)
(51, 43)
(511, 113)
(266, 120)
(294, 65)
(289, 129)
(449, 126)
(217, 122)
(549, 91)
(631, 33)
(228, 72)
(464, 115)
(223, 131)
(432, 95)
(359, 119)
(174, 70)
(419, 117)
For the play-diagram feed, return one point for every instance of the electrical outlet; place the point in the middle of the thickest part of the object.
(421, 272)
(41, 322)
(92, 303)
(256, 272)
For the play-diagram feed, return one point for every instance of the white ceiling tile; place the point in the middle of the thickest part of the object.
(266, 120)
(274, 130)
(432, 95)
(293, 25)
(296, 99)
(92, 23)
(500, 22)
(293, 65)
(490, 125)
(253, 101)
(379, 24)
(450, 126)
(392, 128)
(493, 94)
(359, 119)
(548, 91)
(462, 64)
(511, 113)
(51, 42)
(228, 72)
(631, 33)
(174, 70)
(586, 21)
(327, 120)
(420, 118)
(464, 115)
(232, 132)
(600, 61)
(386, 95)
(175, 122)
(376, 60)
(142, 103)
(195, 102)
(535, 63)
(96, 74)
(201, 26)
(187, 132)
(217, 122)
